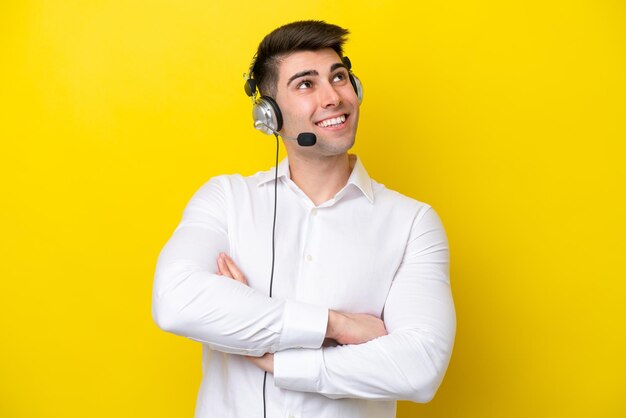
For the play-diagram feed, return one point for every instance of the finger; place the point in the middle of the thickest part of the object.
(222, 267)
(234, 270)
(229, 269)
(218, 271)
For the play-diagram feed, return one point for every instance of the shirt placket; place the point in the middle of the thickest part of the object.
(308, 257)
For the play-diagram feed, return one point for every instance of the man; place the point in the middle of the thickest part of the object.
(360, 313)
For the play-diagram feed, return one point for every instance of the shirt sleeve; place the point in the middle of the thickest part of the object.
(410, 362)
(190, 300)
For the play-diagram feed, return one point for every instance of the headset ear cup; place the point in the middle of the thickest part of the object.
(358, 87)
(267, 116)
(354, 80)
(276, 110)
(346, 61)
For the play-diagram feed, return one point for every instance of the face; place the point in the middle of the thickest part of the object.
(314, 94)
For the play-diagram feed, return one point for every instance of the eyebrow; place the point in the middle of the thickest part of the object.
(307, 73)
(337, 65)
(302, 74)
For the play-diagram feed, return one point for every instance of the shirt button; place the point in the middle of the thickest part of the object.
(314, 212)
(309, 258)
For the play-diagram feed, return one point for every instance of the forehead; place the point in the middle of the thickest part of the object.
(299, 61)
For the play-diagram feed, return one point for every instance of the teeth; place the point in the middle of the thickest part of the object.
(332, 121)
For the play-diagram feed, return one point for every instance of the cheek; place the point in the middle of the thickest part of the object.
(298, 112)
(355, 112)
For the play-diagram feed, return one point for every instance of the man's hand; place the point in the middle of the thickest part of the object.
(348, 328)
(266, 362)
(226, 267)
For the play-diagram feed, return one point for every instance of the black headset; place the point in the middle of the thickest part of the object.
(265, 111)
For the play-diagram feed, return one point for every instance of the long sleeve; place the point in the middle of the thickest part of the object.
(190, 300)
(408, 363)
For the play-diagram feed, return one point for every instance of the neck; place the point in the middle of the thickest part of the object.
(320, 179)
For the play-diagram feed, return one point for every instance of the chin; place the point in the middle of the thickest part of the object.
(335, 147)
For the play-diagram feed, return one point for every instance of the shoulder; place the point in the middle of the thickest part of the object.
(232, 182)
(233, 186)
(420, 220)
(392, 199)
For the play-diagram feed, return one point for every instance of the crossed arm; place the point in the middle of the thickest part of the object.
(342, 328)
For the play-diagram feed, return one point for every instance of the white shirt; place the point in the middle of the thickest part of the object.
(367, 250)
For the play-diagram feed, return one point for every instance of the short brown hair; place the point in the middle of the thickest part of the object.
(306, 35)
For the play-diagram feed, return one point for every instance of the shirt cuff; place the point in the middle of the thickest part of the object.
(298, 369)
(304, 326)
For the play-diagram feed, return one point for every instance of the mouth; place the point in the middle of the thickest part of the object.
(334, 122)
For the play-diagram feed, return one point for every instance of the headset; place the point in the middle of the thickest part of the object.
(265, 111)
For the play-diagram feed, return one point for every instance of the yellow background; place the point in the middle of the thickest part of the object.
(507, 117)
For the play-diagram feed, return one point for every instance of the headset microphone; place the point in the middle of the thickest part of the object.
(304, 139)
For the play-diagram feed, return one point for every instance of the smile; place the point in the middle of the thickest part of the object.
(332, 122)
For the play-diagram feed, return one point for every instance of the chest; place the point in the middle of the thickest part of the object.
(342, 257)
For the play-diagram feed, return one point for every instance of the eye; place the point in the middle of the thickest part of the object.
(304, 84)
(339, 77)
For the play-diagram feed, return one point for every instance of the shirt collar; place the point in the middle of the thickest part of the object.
(283, 171)
(358, 177)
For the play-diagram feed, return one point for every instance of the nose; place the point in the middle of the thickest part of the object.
(329, 96)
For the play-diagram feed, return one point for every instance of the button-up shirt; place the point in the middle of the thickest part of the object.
(366, 250)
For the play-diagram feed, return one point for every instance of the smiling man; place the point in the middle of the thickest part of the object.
(319, 99)
(315, 291)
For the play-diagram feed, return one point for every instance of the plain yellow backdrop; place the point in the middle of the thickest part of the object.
(507, 117)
